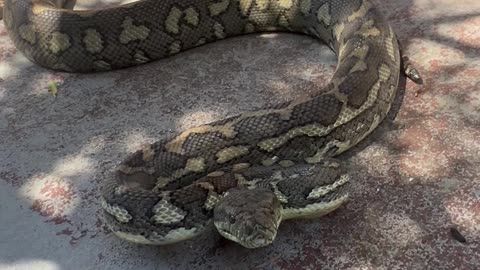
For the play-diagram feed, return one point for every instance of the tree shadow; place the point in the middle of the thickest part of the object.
(97, 119)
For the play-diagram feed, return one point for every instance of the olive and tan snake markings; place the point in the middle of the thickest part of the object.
(247, 173)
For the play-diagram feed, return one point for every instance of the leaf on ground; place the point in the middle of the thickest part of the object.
(53, 88)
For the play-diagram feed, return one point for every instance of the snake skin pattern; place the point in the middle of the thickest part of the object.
(246, 173)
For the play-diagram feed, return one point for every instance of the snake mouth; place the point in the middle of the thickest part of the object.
(264, 238)
(260, 238)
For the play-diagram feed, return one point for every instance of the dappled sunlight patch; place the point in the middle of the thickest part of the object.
(55, 195)
(425, 155)
(399, 229)
(301, 79)
(71, 166)
(470, 103)
(458, 108)
(66, 196)
(30, 264)
(12, 65)
(448, 58)
(468, 144)
(51, 197)
(459, 27)
(303, 70)
(278, 85)
(424, 164)
(195, 118)
(464, 210)
(429, 50)
(375, 159)
(282, 90)
(443, 8)
(134, 140)
(95, 145)
(41, 83)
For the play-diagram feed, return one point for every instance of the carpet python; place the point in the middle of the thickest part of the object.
(247, 173)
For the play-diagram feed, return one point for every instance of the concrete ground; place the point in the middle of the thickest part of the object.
(416, 177)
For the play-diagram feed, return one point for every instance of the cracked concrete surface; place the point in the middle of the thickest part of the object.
(417, 176)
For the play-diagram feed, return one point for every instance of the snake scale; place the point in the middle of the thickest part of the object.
(247, 173)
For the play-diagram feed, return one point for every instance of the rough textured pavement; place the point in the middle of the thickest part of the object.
(416, 177)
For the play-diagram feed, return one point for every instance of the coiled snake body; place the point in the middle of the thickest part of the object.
(246, 173)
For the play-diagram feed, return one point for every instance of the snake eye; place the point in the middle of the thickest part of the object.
(231, 219)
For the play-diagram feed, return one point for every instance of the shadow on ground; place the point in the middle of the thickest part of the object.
(415, 177)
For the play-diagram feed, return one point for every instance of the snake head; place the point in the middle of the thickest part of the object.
(248, 217)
